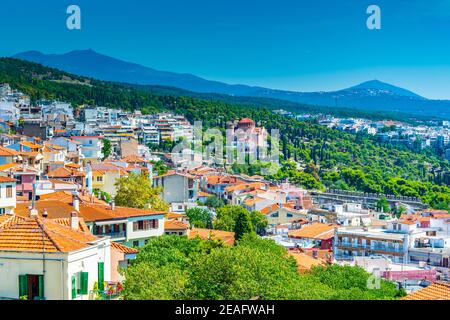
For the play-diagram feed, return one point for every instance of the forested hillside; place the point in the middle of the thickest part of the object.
(329, 157)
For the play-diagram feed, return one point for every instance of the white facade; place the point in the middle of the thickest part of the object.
(59, 269)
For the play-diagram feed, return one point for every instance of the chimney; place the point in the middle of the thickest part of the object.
(45, 214)
(112, 205)
(75, 201)
(74, 220)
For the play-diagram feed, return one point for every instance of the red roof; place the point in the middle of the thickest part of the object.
(246, 121)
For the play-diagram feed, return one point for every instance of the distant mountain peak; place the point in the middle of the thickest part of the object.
(383, 86)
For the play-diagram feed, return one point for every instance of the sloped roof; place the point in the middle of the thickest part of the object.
(35, 234)
(208, 234)
(124, 249)
(175, 225)
(306, 262)
(436, 291)
(6, 179)
(65, 173)
(7, 220)
(133, 159)
(318, 231)
(98, 212)
(7, 152)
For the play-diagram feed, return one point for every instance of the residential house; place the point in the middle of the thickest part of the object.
(178, 187)
(91, 147)
(42, 259)
(316, 235)
(7, 195)
(120, 258)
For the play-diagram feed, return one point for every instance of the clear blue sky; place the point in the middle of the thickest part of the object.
(302, 45)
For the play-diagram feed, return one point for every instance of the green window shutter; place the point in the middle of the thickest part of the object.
(84, 283)
(101, 276)
(23, 285)
(41, 286)
(74, 287)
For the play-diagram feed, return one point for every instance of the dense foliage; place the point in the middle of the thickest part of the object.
(172, 267)
(136, 191)
(239, 220)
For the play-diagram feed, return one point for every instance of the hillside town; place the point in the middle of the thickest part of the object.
(431, 135)
(63, 237)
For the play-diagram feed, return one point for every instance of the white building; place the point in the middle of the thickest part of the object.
(48, 259)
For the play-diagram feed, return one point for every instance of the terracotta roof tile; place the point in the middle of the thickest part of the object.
(319, 231)
(226, 236)
(35, 234)
(124, 249)
(175, 225)
(436, 291)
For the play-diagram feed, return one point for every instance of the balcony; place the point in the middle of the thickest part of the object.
(369, 247)
(113, 235)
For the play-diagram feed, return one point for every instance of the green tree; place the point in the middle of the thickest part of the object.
(136, 191)
(106, 149)
(198, 217)
(383, 205)
(214, 202)
(243, 224)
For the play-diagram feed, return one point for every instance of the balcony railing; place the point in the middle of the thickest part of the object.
(113, 235)
(369, 247)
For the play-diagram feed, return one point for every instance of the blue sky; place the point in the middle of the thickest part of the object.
(299, 45)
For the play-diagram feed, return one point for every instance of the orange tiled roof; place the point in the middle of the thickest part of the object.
(6, 179)
(204, 194)
(441, 215)
(174, 215)
(35, 234)
(98, 212)
(253, 201)
(243, 186)
(221, 180)
(65, 173)
(72, 165)
(226, 236)
(121, 248)
(306, 262)
(7, 220)
(319, 231)
(66, 197)
(55, 209)
(7, 166)
(133, 159)
(7, 152)
(175, 225)
(30, 145)
(436, 291)
(269, 209)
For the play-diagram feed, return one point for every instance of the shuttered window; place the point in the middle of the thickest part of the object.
(41, 286)
(101, 276)
(74, 287)
(84, 283)
(23, 285)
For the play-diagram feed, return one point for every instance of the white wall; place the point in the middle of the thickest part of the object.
(59, 270)
(7, 202)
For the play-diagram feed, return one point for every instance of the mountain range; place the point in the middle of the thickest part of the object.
(372, 95)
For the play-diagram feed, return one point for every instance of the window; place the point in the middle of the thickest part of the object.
(31, 287)
(143, 225)
(136, 243)
(79, 284)
(9, 191)
(99, 178)
(289, 215)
